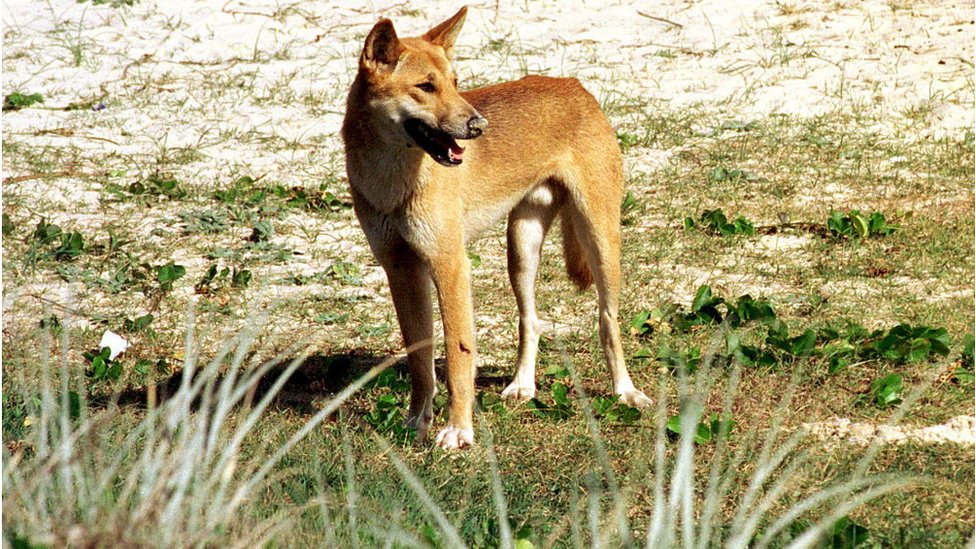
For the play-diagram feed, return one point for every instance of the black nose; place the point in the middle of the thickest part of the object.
(476, 125)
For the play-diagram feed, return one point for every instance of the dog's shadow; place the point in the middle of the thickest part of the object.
(318, 376)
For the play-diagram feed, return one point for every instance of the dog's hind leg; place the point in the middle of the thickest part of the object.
(595, 219)
(527, 227)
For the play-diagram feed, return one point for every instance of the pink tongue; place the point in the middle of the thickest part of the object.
(455, 152)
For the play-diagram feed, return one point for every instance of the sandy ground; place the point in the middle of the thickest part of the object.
(259, 87)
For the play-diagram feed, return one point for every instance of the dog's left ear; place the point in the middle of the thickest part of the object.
(446, 33)
(382, 48)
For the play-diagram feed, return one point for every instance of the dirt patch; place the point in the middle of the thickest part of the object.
(958, 430)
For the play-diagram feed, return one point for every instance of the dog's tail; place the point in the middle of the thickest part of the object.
(576, 266)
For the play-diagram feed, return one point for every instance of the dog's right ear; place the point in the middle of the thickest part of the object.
(382, 48)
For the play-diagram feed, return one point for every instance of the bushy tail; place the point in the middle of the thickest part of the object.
(576, 265)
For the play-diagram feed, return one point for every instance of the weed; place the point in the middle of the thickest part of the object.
(629, 209)
(262, 231)
(857, 225)
(708, 430)
(887, 391)
(167, 274)
(102, 367)
(204, 221)
(715, 222)
(16, 101)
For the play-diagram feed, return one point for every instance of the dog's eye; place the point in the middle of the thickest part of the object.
(427, 87)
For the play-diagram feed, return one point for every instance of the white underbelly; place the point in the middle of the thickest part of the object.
(477, 220)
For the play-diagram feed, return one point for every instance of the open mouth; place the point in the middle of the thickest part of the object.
(439, 145)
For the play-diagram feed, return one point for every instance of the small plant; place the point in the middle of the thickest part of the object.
(240, 278)
(241, 189)
(721, 173)
(627, 140)
(965, 370)
(886, 391)
(905, 343)
(114, 3)
(715, 222)
(138, 324)
(677, 361)
(167, 274)
(386, 415)
(216, 278)
(611, 410)
(156, 184)
(103, 368)
(709, 429)
(331, 318)
(561, 407)
(740, 126)
(310, 199)
(706, 309)
(847, 534)
(391, 378)
(16, 101)
(46, 233)
(204, 221)
(373, 330)
(262, 231)
(629, 209)
(71, 246)
(345, 272)
(857, 225)
(8, 225)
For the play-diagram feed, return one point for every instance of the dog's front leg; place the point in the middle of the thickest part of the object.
(452, 277)
(410, 286)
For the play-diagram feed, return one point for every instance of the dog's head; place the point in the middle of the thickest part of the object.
(412, 89)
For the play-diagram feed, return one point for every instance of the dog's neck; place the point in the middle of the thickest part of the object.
(387, 171)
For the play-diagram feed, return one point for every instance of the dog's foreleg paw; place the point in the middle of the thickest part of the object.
(519, 392)
(453, 438)
(635, 398)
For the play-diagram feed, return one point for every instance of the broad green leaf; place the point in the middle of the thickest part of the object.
(703, 297)
(860, 224)
(887, 390)
(804, 343)
(560, 394)
(918, 349)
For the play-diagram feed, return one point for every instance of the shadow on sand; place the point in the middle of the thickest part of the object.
(317, 377)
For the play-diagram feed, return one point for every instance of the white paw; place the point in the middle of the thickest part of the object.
(518, 391)
(453, 438)
(420, 422)
(635, 398)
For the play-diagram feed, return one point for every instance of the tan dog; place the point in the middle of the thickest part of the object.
(420, 196)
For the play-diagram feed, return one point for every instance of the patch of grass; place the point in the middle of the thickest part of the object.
(715, 222)
(16, 100)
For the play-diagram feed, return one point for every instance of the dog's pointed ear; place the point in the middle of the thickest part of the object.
(446, 33)
(382, 48)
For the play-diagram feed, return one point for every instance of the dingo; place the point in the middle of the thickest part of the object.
(540, 147)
